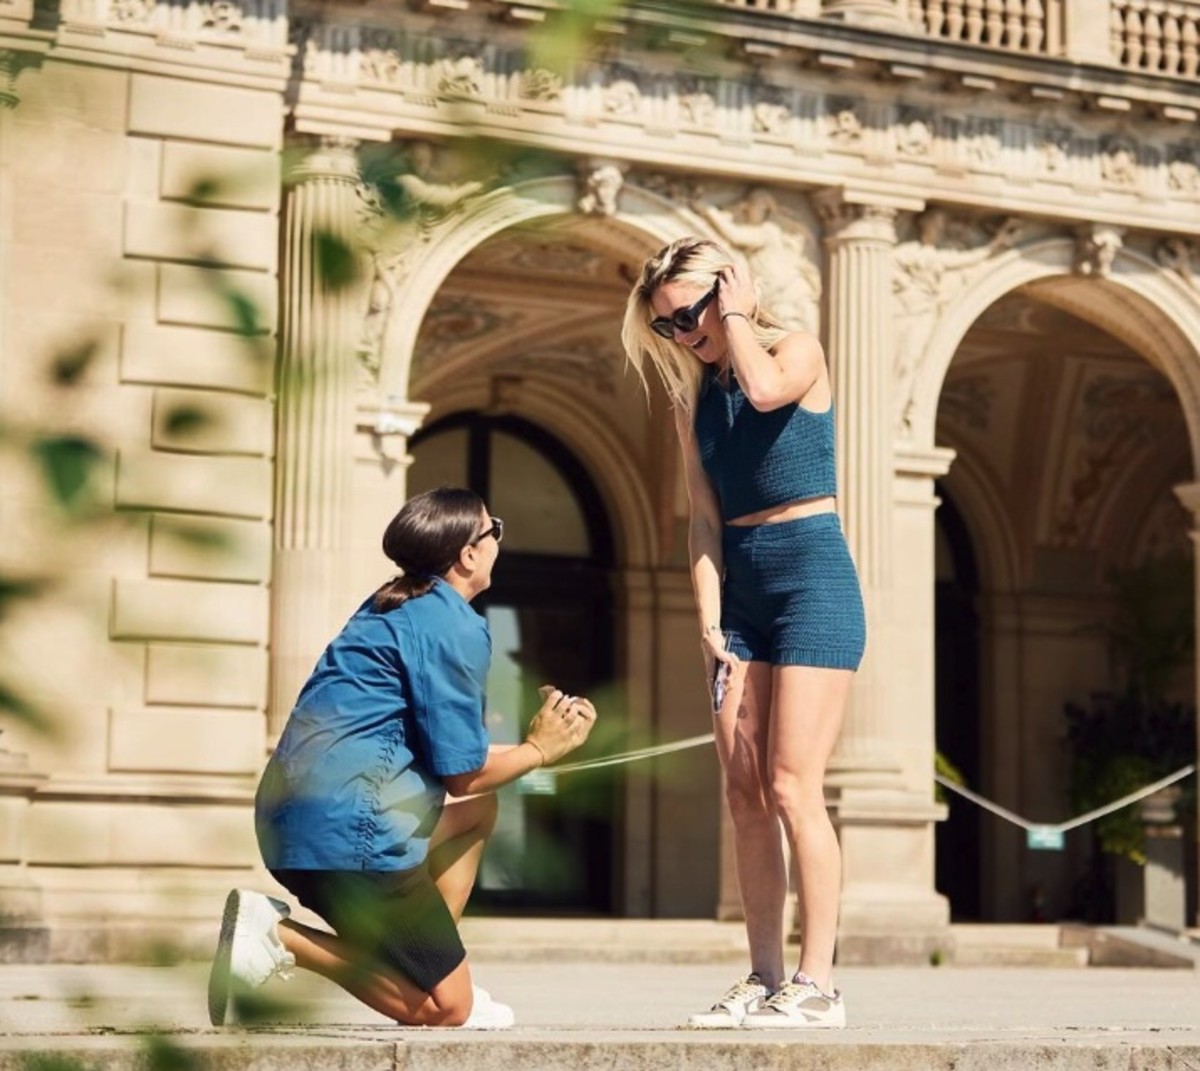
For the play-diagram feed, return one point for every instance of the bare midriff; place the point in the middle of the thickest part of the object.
(787, 511)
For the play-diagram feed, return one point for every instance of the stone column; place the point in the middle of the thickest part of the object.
(314, 423)
(880, 784)
(1189, 495)
(886, 14)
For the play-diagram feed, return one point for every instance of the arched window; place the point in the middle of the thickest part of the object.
(550, 612)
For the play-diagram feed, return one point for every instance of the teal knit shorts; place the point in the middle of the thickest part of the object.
(791, 595)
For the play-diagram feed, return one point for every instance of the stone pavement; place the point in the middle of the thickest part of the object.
(587, 1013)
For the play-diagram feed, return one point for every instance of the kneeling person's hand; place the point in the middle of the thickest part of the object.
(562, 724)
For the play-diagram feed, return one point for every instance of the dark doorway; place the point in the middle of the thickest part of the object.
(958, 866)
(550, 613)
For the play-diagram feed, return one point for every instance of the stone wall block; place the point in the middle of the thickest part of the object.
(174, 108)
(60, 831)
(212, 175)
(210, 548)
(223, 423)
(182, 740)
(189, 610)
(206, 675)
(224, 486)
(67, 156)
(201, 297)
(228, 237)
(191, 357)
(14, 811)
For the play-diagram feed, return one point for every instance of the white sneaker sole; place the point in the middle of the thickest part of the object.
(219, 980)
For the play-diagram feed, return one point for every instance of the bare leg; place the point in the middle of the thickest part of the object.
(805, 721)
(386, 991)
(742, 735)
(456, 847)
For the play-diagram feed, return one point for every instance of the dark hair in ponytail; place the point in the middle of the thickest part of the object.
(424, 539)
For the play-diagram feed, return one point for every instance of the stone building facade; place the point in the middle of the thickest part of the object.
(987, 209)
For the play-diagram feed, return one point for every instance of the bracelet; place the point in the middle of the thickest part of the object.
(537, 747)
(725, 316)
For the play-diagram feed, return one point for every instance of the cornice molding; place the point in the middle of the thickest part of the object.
(808, 126)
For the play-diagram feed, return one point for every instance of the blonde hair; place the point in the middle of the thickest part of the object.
(689, 260)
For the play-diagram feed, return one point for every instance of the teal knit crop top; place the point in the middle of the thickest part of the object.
(757, 460)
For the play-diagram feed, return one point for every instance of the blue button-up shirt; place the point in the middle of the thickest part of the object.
(395, 704)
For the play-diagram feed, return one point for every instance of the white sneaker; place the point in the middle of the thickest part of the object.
(799, 1003)
(488, 1014)
(249, 950)
(741, 999)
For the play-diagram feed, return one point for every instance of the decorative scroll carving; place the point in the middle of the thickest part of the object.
(622, 98)
(777, 250)
(914, 132)
(222, 16)
(601, 183)
(9, 66)
(844, 123)
(925, 271)
(1179, 255)
(460, 78)
(1054, 147)
(131, 12)
(541, 84)
(1096, 247)
(1119, 161)
(1183, 168)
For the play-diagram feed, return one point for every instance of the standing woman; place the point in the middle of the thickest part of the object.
(352, 810)
(781, 614)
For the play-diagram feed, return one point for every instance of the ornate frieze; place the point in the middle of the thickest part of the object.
(764, 114)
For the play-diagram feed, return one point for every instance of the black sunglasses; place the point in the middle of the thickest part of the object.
(496, 529)
(682, 320)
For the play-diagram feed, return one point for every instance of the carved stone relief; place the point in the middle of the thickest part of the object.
(395, 244)
(914, 132)
(1119, 161)
(843, 123)
(1096, 247)
(939, 259)
(600, 183)
(1179, 255)
(1183, 168)
(776, 246)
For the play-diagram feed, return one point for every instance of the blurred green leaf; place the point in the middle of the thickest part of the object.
(184, 420)
(70, 365)
(337, 261)
(163, 1054)
(13, 590)
(20, 708)
(51, 1061)
(68, 462)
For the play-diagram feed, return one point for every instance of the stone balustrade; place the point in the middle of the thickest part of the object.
(1157, 36)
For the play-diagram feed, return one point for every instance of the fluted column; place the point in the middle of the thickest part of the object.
(859, 238)
(880, 786)
(314, 422)
(1189, 495)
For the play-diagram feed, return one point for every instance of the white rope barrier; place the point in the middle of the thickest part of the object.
(1001, 812)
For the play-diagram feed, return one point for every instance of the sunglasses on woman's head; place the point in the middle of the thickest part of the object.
(682, 320)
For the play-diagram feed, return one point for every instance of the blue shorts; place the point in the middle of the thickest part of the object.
(791, 595)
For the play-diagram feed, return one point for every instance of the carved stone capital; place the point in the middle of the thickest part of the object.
(329, 157)
(851, 217)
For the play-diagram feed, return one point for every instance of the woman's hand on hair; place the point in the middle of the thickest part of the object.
(736, 294)
(562, 724)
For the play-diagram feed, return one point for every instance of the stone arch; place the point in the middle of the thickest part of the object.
(1140, 302)
(646, 221)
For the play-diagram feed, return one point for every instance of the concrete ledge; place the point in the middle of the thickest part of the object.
(546, 1051)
